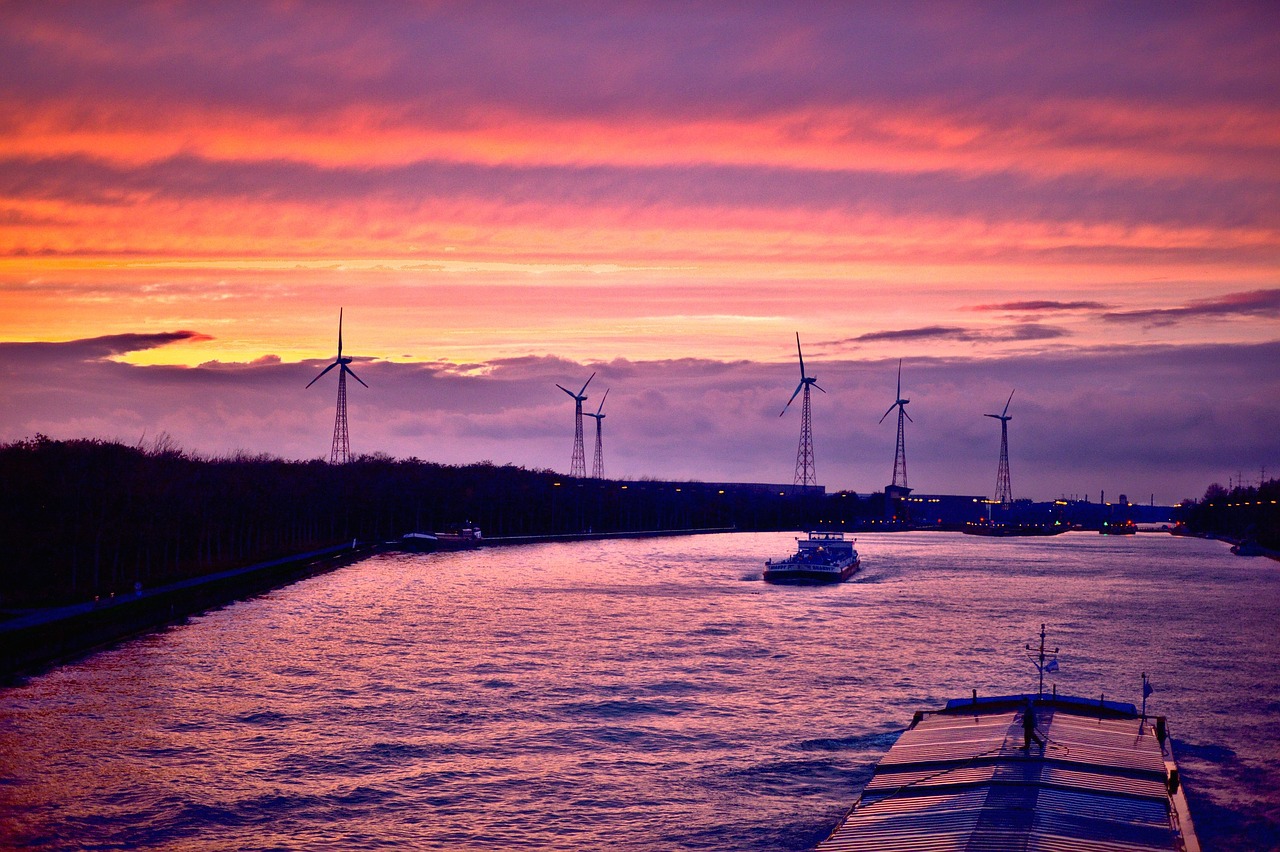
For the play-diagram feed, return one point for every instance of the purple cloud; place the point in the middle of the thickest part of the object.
(1022, 331)
(1254, 303)
(1133, 419)
(96, 348)
(1041, 305)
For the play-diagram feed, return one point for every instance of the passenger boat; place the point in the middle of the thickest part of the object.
(823, 557)
(1037, 771)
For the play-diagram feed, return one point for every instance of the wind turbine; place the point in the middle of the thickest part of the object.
(805, 473)
(597, 466)
(900, 456)
(1004, 491)
(578, 465)
(341, 451)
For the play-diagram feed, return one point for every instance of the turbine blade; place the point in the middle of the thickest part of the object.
(566, 390)
(1009, 400)
(906, 415)
(602, 399)
(996, 416)
(793, 397)
(899, 378)
(322, 372)
(886, 414)
(339, 332)
(584, 385)
(815, 384)
(352, 374)
(801, 354)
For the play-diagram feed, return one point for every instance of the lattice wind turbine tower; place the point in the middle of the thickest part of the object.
(1004, 491)
(578, 463)
(597, 465)
(806, 472)
(900, 454)
(340, 452)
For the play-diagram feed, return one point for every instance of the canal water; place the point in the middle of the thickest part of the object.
(627, 695)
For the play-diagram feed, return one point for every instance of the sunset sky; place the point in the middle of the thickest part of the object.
(1079, 201)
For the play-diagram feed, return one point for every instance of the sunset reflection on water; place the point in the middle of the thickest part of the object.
(645, 694)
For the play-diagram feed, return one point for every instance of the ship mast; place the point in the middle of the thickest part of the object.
(1041, 665)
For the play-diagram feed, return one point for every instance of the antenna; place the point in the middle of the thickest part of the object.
(1041, 665)
(1004, 491)
(806, 473)
(900, 453)
(578, 463)
(340, 452)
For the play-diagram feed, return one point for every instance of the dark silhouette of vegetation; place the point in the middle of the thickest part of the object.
(87, 518)
(1241, 514)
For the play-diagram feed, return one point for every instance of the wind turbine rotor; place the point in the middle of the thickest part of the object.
(353, 375)
(322, 372)
(799, 388)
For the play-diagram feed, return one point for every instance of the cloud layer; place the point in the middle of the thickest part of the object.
(1156, 420)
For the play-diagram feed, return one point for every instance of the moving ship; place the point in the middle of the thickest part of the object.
(823, 557)
(1008, 530)
(1044, 772)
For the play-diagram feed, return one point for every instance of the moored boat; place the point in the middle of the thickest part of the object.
(456, 538)
(823, 557)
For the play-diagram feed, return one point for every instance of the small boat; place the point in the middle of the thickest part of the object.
(1119, 528)
(823, 557)
(1025, 772)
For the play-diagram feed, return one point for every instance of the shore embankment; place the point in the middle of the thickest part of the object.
(34, 640)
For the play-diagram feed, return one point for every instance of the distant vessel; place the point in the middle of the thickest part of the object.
(457, 538)
(1119, 528)
(823, 557)
(1003, 530)
(1024, 772)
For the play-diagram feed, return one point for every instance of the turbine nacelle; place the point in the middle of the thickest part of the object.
(598, 415)
(581, 395)
(1004, 416)
(804, 380)
(339, 361)
(899, 403)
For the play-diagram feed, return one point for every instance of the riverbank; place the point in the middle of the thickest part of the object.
(34, 640)
(37, 639)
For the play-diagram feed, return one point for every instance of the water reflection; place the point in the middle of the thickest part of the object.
(629, 695)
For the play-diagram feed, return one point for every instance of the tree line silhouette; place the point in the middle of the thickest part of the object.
(86, 518)
(1243, 513)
